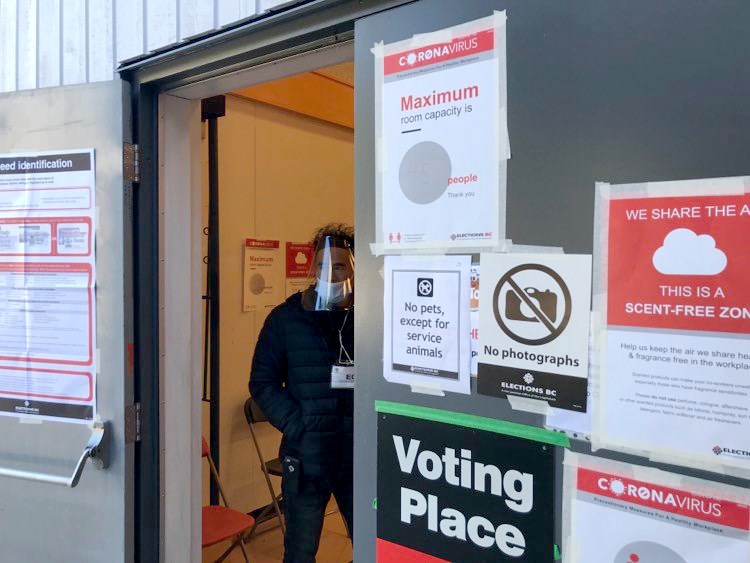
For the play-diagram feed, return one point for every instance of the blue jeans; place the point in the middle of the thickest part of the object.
(304, 509)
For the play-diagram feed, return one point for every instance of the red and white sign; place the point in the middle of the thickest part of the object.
(47, 281)
(298, 259)
(439, 185)
(674, 271)
(464, 46)
(617, 518)
(680, 263)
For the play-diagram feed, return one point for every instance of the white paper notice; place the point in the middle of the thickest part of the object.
(443, 132)
(673, 279)
(652, 519)
(426, 307)
(47, 281)
(263, 285)
(534, 328)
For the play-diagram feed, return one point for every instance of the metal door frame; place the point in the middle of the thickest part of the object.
(240, 54)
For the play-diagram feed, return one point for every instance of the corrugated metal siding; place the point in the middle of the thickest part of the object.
(58, 42)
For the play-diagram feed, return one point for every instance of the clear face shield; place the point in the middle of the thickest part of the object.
(332, 276)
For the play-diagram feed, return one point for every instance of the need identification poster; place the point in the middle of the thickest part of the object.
(47, 281)
(442, 137)
(426, 340)
(656, 517)
(676, 298)
(460, 493)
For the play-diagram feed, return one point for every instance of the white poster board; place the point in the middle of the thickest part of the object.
(629, 514)
(443, 138)
(534, 328)
(47, 281)
(426, 319)
(263, 279)
(673, 294)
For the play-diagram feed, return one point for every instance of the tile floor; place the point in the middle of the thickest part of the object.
(268, 546)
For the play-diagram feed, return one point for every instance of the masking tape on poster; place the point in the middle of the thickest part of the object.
(573, 461)
(600, 438)
(380, 50)
(436, 249)
(525, 404)
(473, 421)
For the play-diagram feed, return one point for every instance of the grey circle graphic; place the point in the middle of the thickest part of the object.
(424, 172)
(647, 552)
(257, 284)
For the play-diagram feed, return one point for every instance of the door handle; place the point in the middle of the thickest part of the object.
(95, 450)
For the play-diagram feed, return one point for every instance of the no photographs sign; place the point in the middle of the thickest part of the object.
(534, 326)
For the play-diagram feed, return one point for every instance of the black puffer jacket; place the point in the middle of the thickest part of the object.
(291, 381)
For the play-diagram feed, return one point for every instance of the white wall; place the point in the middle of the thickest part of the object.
(281, 176)
(59, 42)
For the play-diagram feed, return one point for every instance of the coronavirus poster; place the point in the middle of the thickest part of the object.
(442, 137)
(673, 289)
(624, 514)
(455, 487)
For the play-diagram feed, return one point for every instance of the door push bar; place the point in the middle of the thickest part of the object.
(95, 449)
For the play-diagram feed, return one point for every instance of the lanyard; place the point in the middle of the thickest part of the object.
(342, 349)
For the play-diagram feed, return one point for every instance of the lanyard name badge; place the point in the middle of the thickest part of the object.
(343, 371)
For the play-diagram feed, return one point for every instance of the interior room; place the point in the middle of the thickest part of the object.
(285, 168)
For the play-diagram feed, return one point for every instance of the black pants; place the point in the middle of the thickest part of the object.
(304, 508)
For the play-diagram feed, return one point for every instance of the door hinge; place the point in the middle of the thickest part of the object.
(131, 161)
(133, 423)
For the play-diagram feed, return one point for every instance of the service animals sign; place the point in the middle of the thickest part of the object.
(534, 326)
(458, 493)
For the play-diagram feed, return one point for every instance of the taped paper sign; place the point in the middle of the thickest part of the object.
(455, 493)
(673, 274)
(426, 322)
(441, 121)
(47, 281)
(474, 318)
(262, 285)
(534, 326)
(651, 516)
(298, 262)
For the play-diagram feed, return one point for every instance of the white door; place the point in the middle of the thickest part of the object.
(48, 519)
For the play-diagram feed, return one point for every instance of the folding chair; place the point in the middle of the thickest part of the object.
(221, 523)
(254, 415)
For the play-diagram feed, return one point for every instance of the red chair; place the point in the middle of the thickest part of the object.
(221, 523)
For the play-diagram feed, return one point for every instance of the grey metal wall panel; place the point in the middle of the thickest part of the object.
(617, 91)
(41, 522)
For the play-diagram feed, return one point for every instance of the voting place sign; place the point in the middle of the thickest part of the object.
(534, 327)
(458, 493)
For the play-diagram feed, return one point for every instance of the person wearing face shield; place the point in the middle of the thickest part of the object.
(302, 377)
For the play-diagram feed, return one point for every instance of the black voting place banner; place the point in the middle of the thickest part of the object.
(456, 493)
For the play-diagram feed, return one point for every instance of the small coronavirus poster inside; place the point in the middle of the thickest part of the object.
(673, 270)
(442, 137)
(626, 514)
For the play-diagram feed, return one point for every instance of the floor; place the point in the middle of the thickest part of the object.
(268, 546)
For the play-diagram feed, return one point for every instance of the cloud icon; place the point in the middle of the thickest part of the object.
(685, 253)
(300, 258)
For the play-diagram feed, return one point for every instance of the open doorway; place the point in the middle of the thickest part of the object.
(285, 167)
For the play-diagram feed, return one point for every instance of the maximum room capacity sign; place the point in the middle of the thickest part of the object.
(534, 327)
(442, 137)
